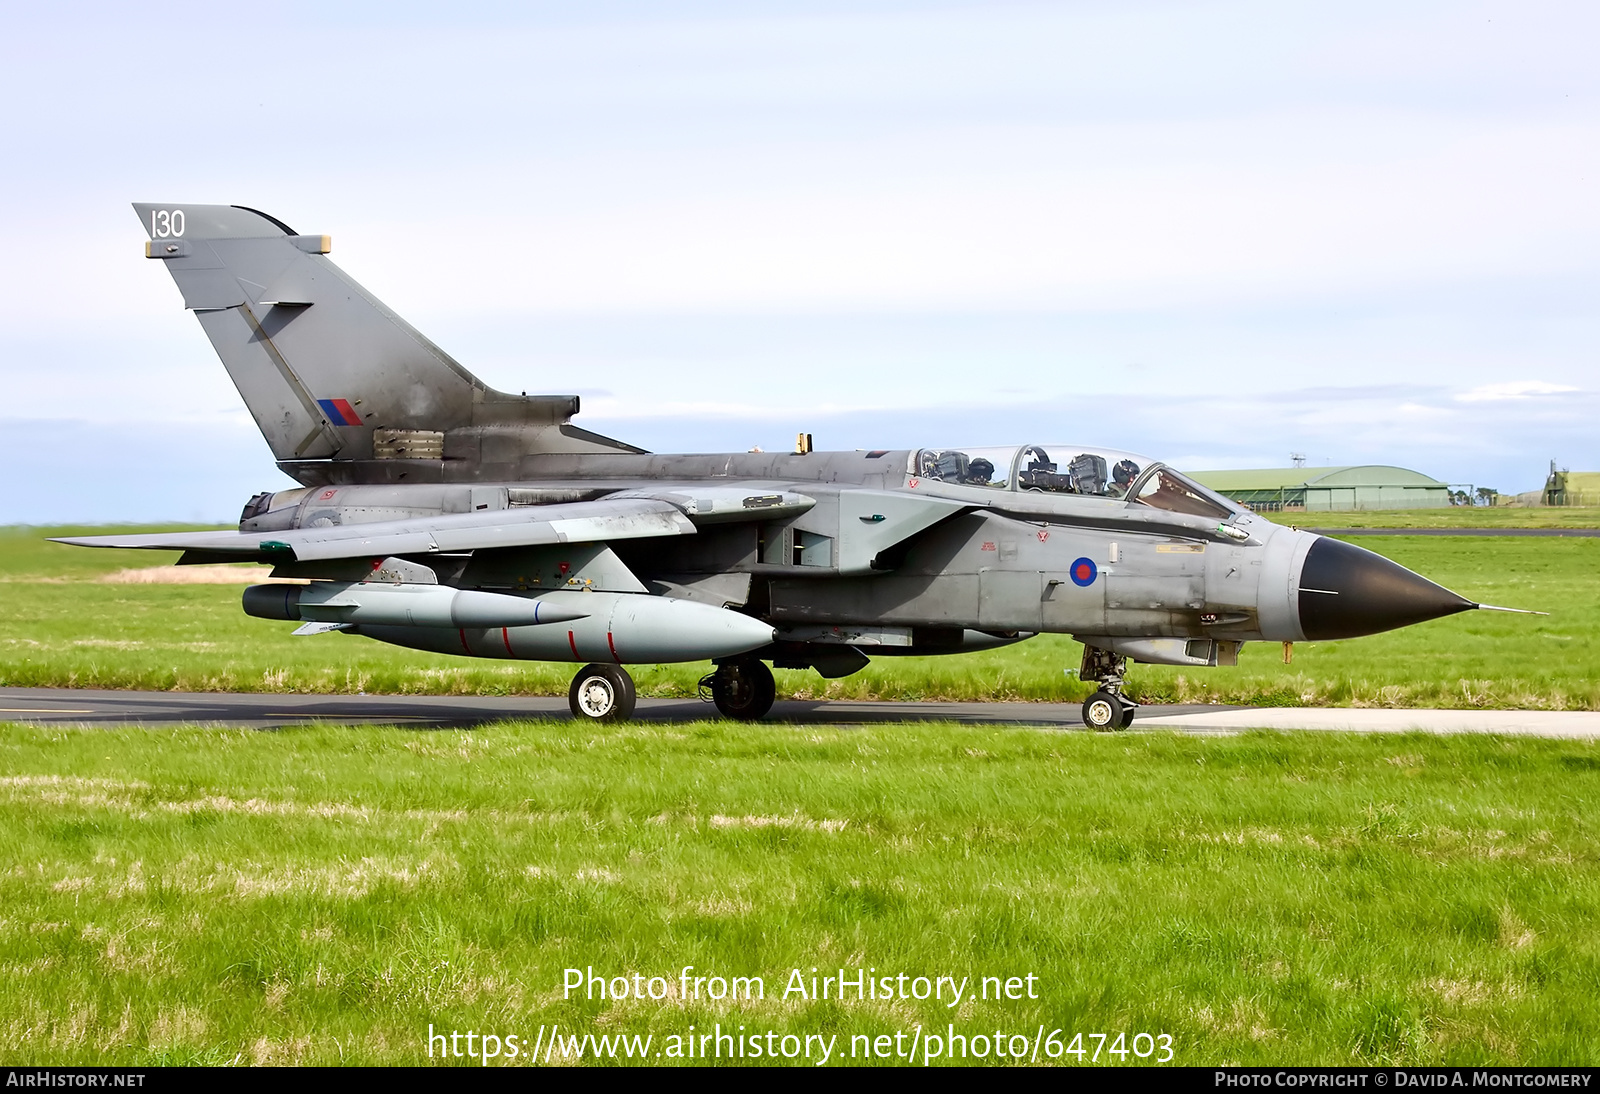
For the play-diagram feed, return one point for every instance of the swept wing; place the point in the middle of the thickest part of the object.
(578, 522)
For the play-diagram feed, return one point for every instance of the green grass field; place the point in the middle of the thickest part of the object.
(1449, 517)
(321, 895)
(324, 894)
(62, 627)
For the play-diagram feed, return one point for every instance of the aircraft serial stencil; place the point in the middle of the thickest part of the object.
(440, 514)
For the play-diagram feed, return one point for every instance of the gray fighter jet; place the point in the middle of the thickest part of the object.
(440, 514)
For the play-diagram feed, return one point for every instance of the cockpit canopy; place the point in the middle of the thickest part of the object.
(1071, 469)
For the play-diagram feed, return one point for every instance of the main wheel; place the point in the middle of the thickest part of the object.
(602, 693)
(743, 689)
(1103, 711)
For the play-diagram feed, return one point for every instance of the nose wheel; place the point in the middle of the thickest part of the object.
(602, 693)
(1106, 710)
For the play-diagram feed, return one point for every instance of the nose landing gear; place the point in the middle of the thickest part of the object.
(1106, 709)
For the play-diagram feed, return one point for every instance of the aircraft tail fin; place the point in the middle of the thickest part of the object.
(331, 375)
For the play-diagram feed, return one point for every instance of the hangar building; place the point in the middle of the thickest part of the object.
(1369, 486)
(1572, 487)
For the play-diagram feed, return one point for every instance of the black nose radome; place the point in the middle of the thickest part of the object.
(1346, 591)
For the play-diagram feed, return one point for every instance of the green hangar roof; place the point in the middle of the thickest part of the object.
(1367, 486)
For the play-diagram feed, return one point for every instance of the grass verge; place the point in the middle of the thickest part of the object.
(1450, 517)
(322, 895)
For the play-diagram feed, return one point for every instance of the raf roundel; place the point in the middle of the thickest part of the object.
(1083, 572)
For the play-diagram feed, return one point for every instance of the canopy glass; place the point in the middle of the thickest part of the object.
(1072, 469)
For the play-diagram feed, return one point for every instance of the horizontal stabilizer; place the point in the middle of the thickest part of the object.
(580, 522)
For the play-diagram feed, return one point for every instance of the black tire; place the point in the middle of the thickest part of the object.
(743, 690)
(1103, 711)
(1127, 714)
(602, 693)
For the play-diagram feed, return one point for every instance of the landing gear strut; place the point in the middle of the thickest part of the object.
(602, 693)
(742, 689)
(1106, 709)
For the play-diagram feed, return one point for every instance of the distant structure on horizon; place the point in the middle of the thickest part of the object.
(1571, 487)
(1324, 489)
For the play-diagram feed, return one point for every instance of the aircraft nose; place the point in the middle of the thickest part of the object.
(1346, 591)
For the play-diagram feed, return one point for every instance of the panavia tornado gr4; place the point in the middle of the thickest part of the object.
(440, 514)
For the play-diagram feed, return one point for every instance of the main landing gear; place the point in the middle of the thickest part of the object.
(1106, 709)
(742, 689)
(602, 693)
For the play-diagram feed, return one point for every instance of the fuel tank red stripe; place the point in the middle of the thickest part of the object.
(573, 642)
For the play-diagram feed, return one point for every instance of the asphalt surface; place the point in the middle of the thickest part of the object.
(267, 711)
(1582, 533)
(255, 711)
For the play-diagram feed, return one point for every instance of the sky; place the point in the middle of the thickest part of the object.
(1216, 233)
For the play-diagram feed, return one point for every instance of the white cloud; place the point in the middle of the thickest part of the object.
(1513, 389)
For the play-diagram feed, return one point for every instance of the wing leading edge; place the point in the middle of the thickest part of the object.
(580, 522)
